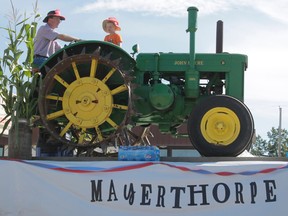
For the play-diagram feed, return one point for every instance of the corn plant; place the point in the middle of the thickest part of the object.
(17, 84)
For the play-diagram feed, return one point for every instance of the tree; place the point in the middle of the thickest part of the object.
(270, 147)
(273, 136)
(259, 147)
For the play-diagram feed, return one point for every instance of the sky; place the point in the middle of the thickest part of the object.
(256, 28)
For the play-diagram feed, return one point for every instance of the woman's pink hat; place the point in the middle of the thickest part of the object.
(114, 21)
(54, 13)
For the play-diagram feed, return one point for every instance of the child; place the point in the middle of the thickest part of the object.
(111, 25)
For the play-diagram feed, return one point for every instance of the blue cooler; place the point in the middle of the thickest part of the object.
(138, 153)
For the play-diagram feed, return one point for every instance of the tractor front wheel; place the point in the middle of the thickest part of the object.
(220, 125)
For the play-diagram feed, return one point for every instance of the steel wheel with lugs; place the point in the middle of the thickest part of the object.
(85, 97)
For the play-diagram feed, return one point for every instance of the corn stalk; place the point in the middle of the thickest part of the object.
(17, 84)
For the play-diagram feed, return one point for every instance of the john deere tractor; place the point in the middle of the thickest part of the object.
(94, 93)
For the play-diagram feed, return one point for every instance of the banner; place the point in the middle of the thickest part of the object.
(129, 188)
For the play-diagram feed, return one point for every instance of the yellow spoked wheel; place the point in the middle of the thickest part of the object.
(220, 125)
(85, 100)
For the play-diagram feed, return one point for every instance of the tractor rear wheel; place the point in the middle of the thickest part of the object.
(85, 99)
(220, 125)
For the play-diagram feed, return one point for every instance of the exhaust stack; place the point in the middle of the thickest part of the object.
(219, 36)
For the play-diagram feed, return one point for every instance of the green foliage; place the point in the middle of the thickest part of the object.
(17, 85)
(259, 147)
(270, 147)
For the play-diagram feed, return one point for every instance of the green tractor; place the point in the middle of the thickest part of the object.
(93, 94)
